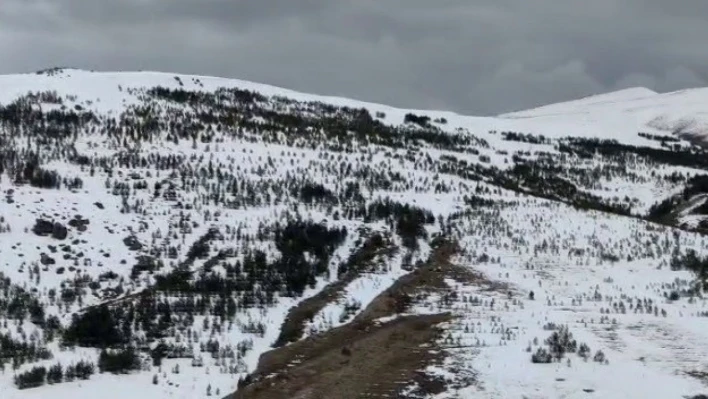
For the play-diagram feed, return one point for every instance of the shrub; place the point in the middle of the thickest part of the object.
(541, 356)
(422, 121)
(561, 342)
(584, 351)
(97, 327)
(55, 374)
(31, 379)
(81, 370)
(118, 361)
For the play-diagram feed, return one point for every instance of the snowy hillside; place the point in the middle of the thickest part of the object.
(172, 236)
(682, 112)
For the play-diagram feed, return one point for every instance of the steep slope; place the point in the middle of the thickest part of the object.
(194, 236)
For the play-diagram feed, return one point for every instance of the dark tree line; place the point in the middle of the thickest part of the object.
(525, 138)
(97, 327)
(408, 221)
(693, 262)
(694, 186)
(689, 157)
(118, 361)
(56, 374)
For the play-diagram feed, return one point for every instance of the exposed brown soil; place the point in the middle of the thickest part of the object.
(430, 276)
(365, 358)
(351, 361)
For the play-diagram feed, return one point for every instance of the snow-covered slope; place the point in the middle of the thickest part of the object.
(635, 109)
(618, 115)
(608, 100)
(204, 221)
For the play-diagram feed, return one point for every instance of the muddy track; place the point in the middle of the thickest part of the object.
(365, 358)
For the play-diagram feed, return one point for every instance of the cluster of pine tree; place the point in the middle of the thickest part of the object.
(56, 374)
(118, 361)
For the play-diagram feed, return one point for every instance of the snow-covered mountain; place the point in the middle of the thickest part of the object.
(682, 112)
(173, 236)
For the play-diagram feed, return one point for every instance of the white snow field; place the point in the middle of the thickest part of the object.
(534, 214)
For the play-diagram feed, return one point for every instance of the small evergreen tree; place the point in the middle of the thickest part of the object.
(55, 375)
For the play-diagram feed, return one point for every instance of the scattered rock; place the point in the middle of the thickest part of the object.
(132, 243)
(45, 228)
(79, 223)
(60, 231)
(47, 260)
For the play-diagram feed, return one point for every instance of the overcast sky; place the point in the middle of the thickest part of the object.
(470, 56)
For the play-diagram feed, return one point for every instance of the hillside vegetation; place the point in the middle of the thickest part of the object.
(172, 236)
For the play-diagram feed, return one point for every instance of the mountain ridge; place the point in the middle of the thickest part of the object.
(694, 121)
(175, 236)
(621, 95)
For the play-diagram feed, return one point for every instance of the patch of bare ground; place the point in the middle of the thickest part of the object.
(366, 358)
(429, 277)
(361, 260)
(356, 360)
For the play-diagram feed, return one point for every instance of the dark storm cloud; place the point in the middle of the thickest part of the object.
(473, 56)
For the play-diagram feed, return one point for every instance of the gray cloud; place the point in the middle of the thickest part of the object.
(471, 56)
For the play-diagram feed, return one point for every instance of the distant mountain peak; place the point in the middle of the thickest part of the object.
(613, 97)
